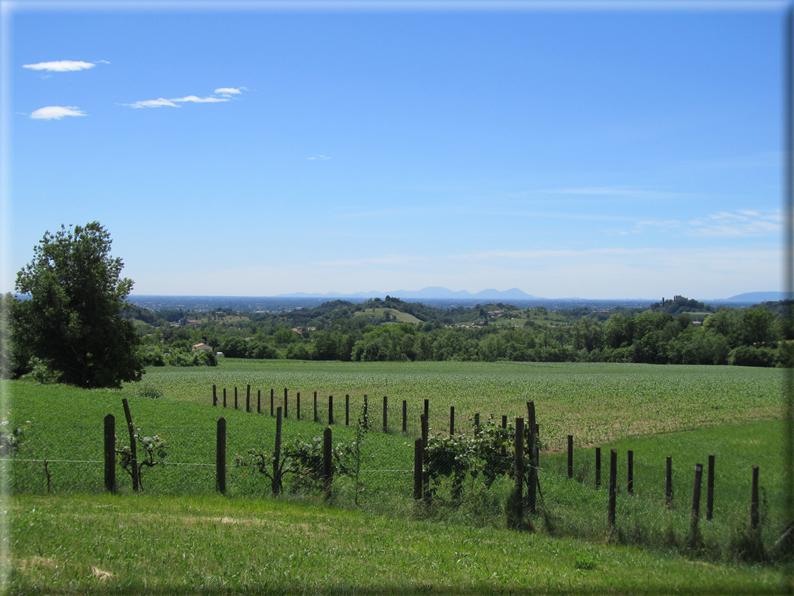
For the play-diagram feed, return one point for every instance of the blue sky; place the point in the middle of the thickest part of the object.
(598, 153)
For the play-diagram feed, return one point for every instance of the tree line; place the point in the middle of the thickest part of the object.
(369, 332)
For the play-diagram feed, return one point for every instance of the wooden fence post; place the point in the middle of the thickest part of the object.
(258, 401)
(515, 507)
(110, 453)
(693, 519)
(272, 402)
(285, 403)
(613, 486)
(298, 405)
(531, 417)
(452, 420)
(710, 490)
(235, 397)
(248, 399)
(427, 409)
(504, 425)
(754, 500)
(570, 456)
(405, 416)
(668, 481)
(630, 473)
(214, 396)
(347, 409)
(330, 409)
(419, 452)
(532, 485)
(327, 462)
(385, 414)
(224, 397)
(133, 445)
(276, 481)
(220, 457)
(425, 473)
(316, 419)
(598, 467)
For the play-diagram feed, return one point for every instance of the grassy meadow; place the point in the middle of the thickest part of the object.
(213, 545)
(594, 402)
(239, 543)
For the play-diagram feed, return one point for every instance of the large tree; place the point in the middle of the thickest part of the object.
(72, 321)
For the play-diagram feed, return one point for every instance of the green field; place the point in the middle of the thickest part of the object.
(684, 412)
(594, 402)
(379, 313)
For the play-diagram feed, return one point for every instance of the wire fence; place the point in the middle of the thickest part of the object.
(468, 471)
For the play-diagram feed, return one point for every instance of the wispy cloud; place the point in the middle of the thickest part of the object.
(229, 91)
(319, 157)
(723, 224)
(56, 112)
(194, 99)
(616, 191)
(60, 66)
(743, 223)
(174, 102)
(153, 103)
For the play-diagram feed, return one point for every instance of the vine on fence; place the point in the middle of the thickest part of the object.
(303, 460)
(150, 453)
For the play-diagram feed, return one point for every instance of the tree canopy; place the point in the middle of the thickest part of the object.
(72, 321)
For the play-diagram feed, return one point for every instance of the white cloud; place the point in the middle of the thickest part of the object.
(56, 112)
(228, 91)
(194, 99)
(320, 157)
(616, 192)
(744, 223)
(172, 103)
(60, 66)
(153, 103)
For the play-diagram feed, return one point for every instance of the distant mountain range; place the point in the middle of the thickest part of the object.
(438, 293)
(754, 297)
(431, 292)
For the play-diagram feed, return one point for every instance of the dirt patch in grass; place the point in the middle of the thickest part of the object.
(28, 564)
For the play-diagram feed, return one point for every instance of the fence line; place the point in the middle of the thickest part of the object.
(96, 461)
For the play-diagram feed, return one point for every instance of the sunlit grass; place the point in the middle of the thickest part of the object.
(211, 544)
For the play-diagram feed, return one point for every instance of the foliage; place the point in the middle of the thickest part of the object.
(150, 391)
(678, 331)
(41, 372)
(72, 321)
(150, 451)
(305, 463)
(10, 438)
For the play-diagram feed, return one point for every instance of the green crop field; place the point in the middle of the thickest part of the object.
(657, 411)
(594, 402)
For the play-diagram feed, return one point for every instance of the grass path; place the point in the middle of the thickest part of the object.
(210, 544)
